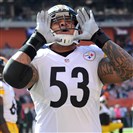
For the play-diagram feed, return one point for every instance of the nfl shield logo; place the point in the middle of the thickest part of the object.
(67, 60)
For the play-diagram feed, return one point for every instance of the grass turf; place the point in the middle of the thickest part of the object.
(125, 130)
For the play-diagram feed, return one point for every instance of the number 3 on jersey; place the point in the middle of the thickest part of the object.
(63, 88)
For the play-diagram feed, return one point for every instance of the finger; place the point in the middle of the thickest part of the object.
(85, 13)
(42, 15)
(79, 12)
(79, 20)
(91, 15)
(48, 19)
(38, 17)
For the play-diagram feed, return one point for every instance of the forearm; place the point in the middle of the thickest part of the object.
(119, 59)
(25, 59)
(18, 71)
(29, 49)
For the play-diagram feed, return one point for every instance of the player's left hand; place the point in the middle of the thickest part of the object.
(87, 23)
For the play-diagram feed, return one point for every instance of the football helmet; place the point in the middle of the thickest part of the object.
(3, 61)
(103, 99)
(63, 12)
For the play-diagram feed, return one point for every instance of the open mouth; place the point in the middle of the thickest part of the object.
(65, 30)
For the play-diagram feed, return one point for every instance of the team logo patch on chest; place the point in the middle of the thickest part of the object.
(90, 55)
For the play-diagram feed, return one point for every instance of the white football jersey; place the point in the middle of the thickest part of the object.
(104, 109)
(9, 102)
(66, 96)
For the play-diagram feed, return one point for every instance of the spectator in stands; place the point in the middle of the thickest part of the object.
(128, 44)
(118, 115)
(7, 45)
(28, 120)
(132, 115)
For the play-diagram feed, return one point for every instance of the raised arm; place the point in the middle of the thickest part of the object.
(18, 71)
(118, 65)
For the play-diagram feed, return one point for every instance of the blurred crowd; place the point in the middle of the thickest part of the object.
(26, 113)
(13, 9)
(117, 91)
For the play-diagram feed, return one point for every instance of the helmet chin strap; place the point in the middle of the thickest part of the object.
(66, 40)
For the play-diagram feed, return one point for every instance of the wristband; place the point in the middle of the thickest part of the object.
(34, 43)
(29, 50)
(100, 38)
(37, 40)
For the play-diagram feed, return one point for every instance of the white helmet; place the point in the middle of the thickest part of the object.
(103, 99)
(64, 12)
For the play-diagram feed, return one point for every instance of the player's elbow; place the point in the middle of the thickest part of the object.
(16, 74)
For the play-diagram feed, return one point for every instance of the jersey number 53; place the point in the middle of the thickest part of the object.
(63, 88)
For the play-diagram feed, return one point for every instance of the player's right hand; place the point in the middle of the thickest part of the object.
(43, 26)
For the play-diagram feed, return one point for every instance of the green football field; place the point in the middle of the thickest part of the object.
(126, 130)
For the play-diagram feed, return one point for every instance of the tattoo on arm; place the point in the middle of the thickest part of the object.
(121, 61)
(105, 68)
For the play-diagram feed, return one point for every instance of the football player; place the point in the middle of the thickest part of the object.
(108, 126)
(8, 107)
(65, 79)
